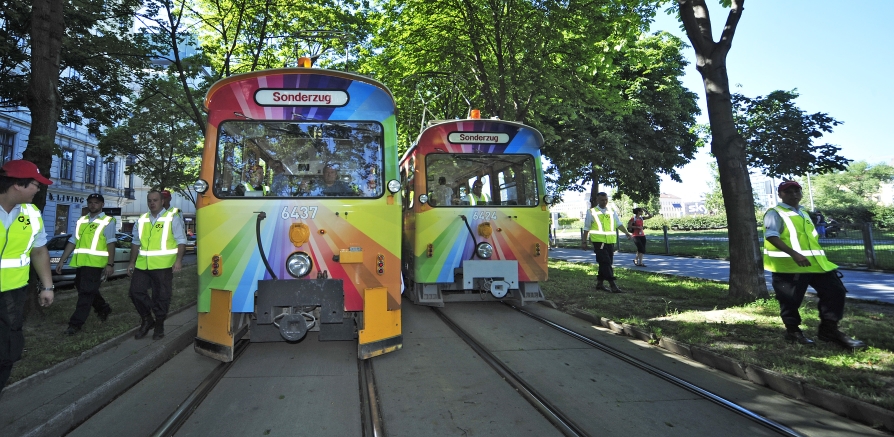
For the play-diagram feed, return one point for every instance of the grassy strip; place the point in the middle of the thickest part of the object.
(698, 312)
(46, 345)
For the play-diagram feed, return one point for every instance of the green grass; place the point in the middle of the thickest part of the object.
(46, 345)
(699, 312)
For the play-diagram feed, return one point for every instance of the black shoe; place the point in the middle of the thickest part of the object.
(148, 323)
(104, 315)
(72, 330)
(615, 289)
(159, 330)
(798, 337)
(840, 338)
(601, 287)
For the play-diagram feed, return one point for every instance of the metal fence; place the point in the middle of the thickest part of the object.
(860, 245)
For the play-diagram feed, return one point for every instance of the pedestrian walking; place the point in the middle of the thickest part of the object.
(600, 225)
(637, 228)
(23, 244)
(793, 253)
(160, 241)
(92, 247)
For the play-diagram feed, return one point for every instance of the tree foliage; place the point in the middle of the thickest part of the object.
(166, 146)
(100, 57)
(649, 131)
(239, 36)
(512, 59)
(780, 136)
(854, 194)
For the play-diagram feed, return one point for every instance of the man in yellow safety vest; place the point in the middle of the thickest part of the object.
(793, 253)
(22, 246)
(159, 242)
(93, 246)
(600, 226)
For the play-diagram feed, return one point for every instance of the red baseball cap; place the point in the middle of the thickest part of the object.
(165, 194)
(21, 169)
(788, 184)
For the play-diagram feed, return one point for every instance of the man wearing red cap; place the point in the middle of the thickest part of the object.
(22, 245)
(793, 253)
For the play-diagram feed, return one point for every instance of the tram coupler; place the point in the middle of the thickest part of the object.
(276, 317)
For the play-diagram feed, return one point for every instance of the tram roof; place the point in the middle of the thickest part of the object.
(293, 70)
(435, 123)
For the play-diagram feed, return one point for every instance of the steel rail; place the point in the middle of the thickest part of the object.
(373, 423)
(562, 422)
(730, 405)
(186, 408)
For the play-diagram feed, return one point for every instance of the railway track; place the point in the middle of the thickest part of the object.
(371, 420)
(563, 422)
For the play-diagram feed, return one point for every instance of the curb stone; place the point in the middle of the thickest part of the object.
(857, 410)
(30, 380)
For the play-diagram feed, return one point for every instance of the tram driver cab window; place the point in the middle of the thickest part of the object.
(468, 179)
(299, 159)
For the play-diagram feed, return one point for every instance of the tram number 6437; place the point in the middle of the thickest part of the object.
(484, 215)
(299, 212)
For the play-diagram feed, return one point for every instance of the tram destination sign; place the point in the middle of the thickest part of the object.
(286, 97)
(478, 138)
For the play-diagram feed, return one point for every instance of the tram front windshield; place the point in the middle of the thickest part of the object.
(476, 180)
(299, 159)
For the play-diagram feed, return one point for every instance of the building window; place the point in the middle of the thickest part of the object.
(90, 170)
(67, 164)
(111, 174)
(7, 146)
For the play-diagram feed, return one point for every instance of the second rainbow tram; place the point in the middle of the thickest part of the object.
(476, 216)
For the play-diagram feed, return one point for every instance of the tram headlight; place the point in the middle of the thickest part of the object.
(423, 198)
(484, 250)
(299, 264)
(393, 186)
(547, 199)
(200, 186)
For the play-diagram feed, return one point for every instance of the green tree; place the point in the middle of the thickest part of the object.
(851, 195)
(774, 127)
(165, 144)
(515, 58)
(629, 144)
(69, 62)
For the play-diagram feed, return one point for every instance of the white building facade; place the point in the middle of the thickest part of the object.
(79, 172)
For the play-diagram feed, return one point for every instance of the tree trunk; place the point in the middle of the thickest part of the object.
(746, 276)
(47, 30)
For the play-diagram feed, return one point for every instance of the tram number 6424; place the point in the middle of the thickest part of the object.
(299, 212)
(484, 215)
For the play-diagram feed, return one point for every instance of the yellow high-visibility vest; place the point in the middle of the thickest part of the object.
(91, 246)
(158, 248)
(800, 234)
(16, 243)
(602, 230)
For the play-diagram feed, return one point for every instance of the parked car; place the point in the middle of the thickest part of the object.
(56, 245)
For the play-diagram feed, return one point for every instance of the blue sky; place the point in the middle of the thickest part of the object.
(838, 55)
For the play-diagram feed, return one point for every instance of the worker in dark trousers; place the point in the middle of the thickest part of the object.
(92, 247)
(793, 253)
